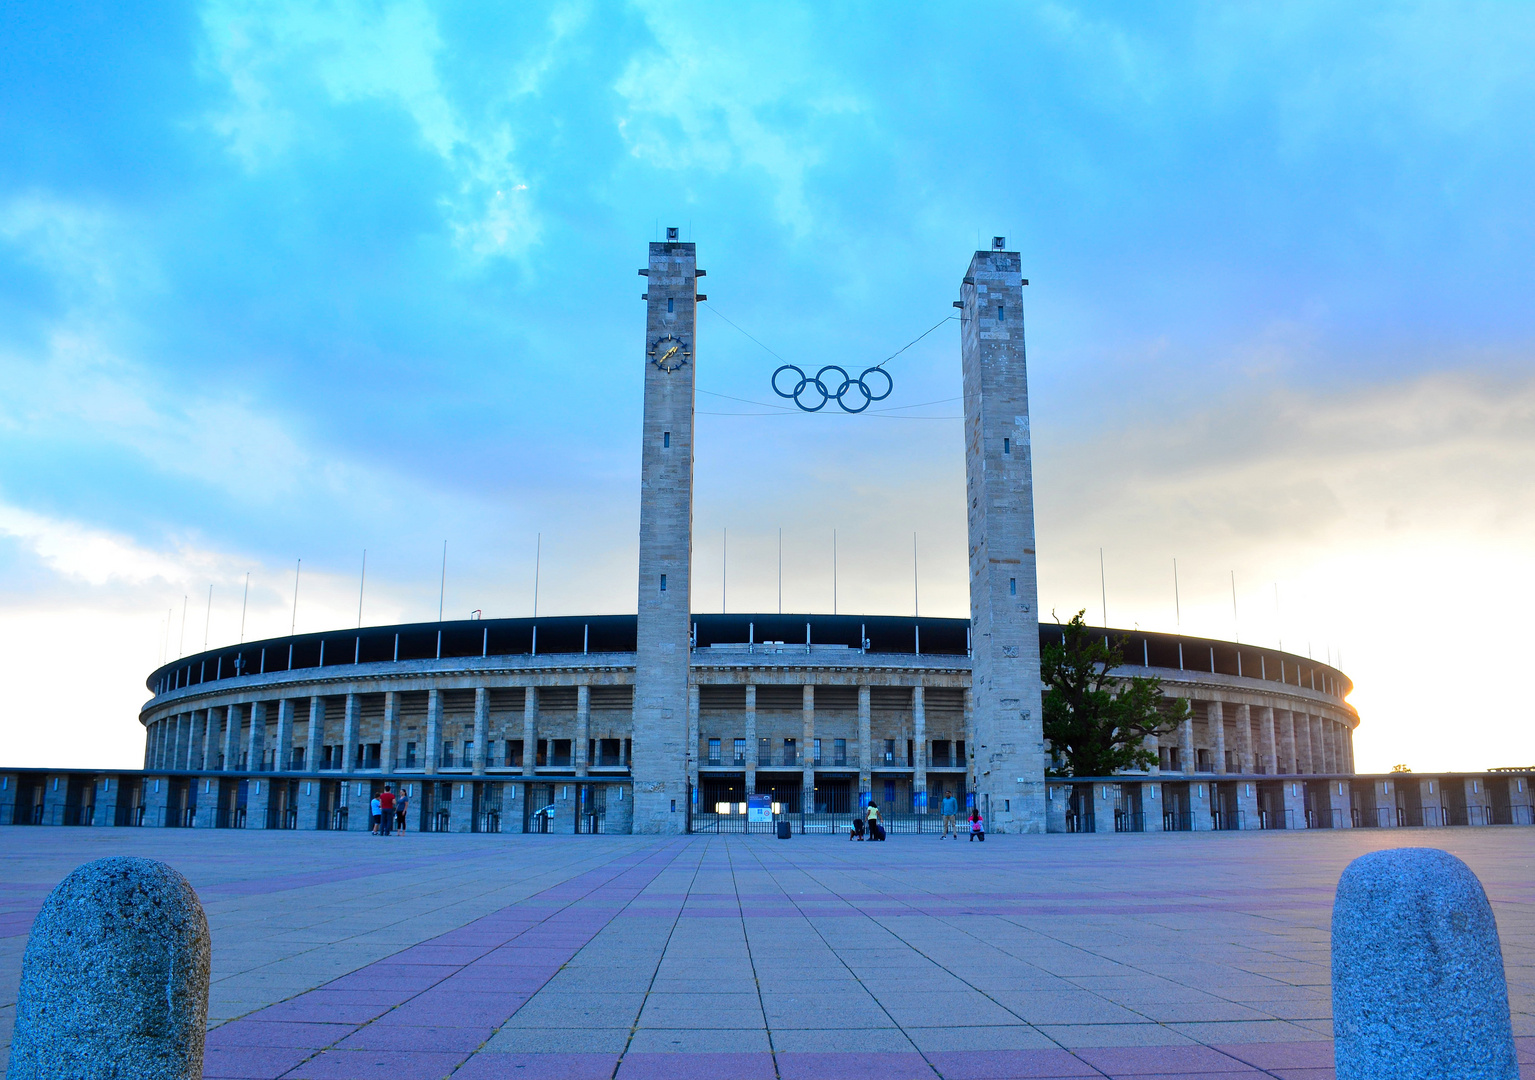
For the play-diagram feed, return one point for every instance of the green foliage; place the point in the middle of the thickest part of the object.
(1099, 721)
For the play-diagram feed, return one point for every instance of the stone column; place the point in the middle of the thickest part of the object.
(1304, 748)
(210, 739)
(1004, 583)
(1349, 747)
(433, 746)
(529, 730)
(349, 734)
(174, 739)
(391, 734)
(194, 754)
(149, 746)
(1244, 739)
(584, 725)
(751, 739)
(662, 672)
(1269, 750)
(232, 738)
(282, 752)
(156, 734)
(692, 750)
(1287, 754)
(807, 748)
(315, 738)
(482, 732)
(1339, 797)
(1201, 806)
(919, 743)
(255, 746)
(1186, 744)
(1104, 803)
(866, 743)
(1294, 803)
(1215, 719)
(1247, 805)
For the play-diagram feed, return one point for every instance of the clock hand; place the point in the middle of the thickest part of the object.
(668, 354)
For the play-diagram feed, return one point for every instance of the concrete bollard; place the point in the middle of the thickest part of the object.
(114, 982)
(1417, 972)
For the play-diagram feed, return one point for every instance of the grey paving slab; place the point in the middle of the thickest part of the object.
(616, 955)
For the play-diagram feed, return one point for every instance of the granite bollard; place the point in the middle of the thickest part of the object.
(114, 981)
(1418, 989)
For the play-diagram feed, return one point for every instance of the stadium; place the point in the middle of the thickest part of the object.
(670, 721)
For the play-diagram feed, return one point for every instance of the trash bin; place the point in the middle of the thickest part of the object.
(783, 830)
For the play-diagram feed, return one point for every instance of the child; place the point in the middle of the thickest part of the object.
(856, 832)
(977, 826)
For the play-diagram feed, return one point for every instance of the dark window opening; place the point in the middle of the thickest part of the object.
(666, 440)
(1007, 446)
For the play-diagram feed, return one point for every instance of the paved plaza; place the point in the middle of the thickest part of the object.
(734, 958)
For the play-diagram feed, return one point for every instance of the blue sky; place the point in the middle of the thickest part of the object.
(284, 281)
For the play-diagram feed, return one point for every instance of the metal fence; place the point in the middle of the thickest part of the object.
(823, 824)
(1084, 822)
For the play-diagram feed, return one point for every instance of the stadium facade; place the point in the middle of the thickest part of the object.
(669, 721)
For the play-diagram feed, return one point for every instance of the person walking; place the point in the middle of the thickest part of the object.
(876, 830)
(977, 826)
(950, 816)
(374, 810)
(386, 810)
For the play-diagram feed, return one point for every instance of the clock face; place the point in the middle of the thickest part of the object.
(670, 352)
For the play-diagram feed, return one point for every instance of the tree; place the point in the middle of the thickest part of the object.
(1099, 721)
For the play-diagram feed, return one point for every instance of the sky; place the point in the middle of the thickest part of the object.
(300, 281)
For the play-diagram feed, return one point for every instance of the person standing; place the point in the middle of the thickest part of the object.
(374, 810)
(386, 810)
(401, 811)
(876, 830)
(950, 816)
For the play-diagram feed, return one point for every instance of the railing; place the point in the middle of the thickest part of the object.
(822, 823)
(79, 815)
(1320, 819)
(230, 818)
(128, 816)
(488, 822)
(1177, 821)
(1285, 820)
(184, 818)
(1128, 821)
(1081, 822)
(1222, 821)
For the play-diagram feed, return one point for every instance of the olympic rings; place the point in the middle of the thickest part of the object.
(835, 389)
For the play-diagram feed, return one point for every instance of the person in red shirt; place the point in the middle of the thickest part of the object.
(386, 810)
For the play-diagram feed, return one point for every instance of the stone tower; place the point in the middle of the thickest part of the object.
(666, 541)
(999, 489)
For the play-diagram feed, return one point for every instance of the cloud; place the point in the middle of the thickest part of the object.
(1390, 522)
(271, 55)
(711, 98)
